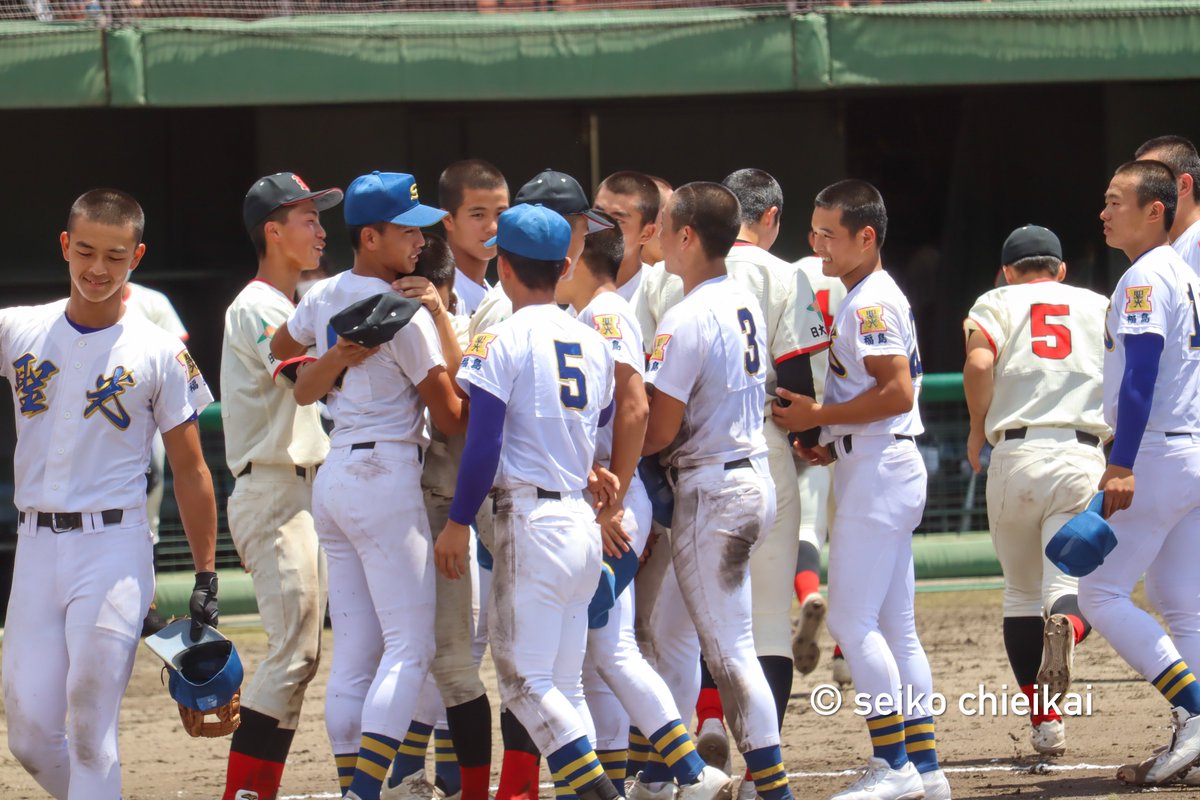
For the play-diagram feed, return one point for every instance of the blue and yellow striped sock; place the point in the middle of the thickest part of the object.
(656, 770)
(375, 755)
(345, 767)
(887, 739)
(613, 762)
(410, 755)
(445, 763)
(920, 743)
(1178, 685)
(562, 791)
(576, 766)
(639, 751)
(677, 749)
(770, 778)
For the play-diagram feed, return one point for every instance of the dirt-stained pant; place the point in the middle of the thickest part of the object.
(773, 564)
(720, 515)
(663, 628)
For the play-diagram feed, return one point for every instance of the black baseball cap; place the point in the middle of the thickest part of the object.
(279, 190)
(559, 192)
(374, 320)
(1029, 241)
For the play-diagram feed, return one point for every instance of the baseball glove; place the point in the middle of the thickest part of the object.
(228, 718)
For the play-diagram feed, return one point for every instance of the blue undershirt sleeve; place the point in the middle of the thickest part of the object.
(485, 433)
(1142, 352)
(607, 414)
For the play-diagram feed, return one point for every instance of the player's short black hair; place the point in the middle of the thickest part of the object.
(1155, 181)
(1030, 264)
(662, 183)
(355, 232)
(757, 191)
(258, 236)
(533, 273)
(1177, 153)
(604, 250)
(712, 211)
(861, 205)
(639, 186)
(473, 173)
(109, 207)
(436, 262)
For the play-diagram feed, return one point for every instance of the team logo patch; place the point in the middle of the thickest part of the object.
(300, 182)
(412, 193)
(31, 380)
(1137, 299)
(870, 320)
(609, 326)
(107, 397)
(268, 331)
(479, 345)
(660, 347)
(188, 363)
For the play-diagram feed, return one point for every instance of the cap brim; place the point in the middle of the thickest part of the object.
(420, 216)
(323, 200)
(596, 222)
(491, 242)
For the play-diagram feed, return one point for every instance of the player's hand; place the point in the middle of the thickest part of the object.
(1117, 485)
(419, 288)
(604, 486)
(351, 354)
(800, 413)
(975, 442)
(818, 456)
(203, 605)
(450, 550)
(612, 534)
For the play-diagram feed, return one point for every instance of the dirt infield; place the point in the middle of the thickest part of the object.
(986, 756)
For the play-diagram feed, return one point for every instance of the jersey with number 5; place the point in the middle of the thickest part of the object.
(1158, 294)
(1048, 340)
(875, 319)
(710, 353)
(556, 375)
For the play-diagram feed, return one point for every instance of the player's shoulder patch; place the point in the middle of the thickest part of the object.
(660, 347)
(870, 320)
(609, 325)
(479, 345)
(188, 363)
(1137, 299)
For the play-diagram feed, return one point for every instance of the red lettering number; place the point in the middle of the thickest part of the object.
(1049, 340)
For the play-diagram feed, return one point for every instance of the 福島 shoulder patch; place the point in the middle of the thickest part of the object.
(870, 320)
(479, 345)
(188, 363)
(660, 346)
(609, 326)
(1137, 299)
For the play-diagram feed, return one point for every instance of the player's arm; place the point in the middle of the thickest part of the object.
(485, 434)
(978, 387)
(284, 345)
(794, 380)
(891, 395)
(630, 416)
(446, 408)
(198, 511)
(664, 422)
(1142, 353)
(317, 378)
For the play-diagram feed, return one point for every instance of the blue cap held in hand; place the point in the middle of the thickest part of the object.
(388, 197)
(533, 232)
(1082, 544)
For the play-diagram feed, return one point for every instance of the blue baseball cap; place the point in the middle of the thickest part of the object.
(388, 197)
(533, 232)
(1082, 544)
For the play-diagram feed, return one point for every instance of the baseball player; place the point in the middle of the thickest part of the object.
(631, 199)
(90, 386)
(870, 419)
(1033, 383)
(540, 383)
(273, 448)
(618, 682)
(1180, 156)
(367, 498)
(473, 193)
(709, 389)
(652, 249)
(1151, 382)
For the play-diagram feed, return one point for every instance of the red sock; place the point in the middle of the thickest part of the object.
(519, 773)
(1077, 624)
(475, 781)
(1038, 715)
(708, 706)
(807, 582)
(246, 772)
(837, 651)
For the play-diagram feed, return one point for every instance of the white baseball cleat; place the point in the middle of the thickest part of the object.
(1049, 738)
(712, 743)
(640, 790)
(713, 784)
(747, 790)
(1183, 752)
(805, 652)
(245, 794)
(1058, 655)
(410, 787)
(936, 785)
(840, 671)
(881, 782)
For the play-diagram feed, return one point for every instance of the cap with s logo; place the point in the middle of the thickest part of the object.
(388, 197)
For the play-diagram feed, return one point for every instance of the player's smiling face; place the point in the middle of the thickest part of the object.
(100, 257)
(841, 252)
(398, 247)
(475, 221)
(300, 236)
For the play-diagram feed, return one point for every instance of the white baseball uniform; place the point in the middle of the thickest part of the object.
(710, 353)
(273, 448)
(1048, 340)
(371, 519)
(555, 376)
(87, 403)
(629, 288)
(494, 308)
(1159, 534)
(879, 486)
(470, 294)
(1188, 246)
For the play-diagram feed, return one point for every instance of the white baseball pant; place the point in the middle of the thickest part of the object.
(813, 485)
(773, 562)
(663, 628)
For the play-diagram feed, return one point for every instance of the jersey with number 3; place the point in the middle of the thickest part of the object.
(1047, 338)
(555, 374)
(1158, 294)
(875, 319)
(710, 353)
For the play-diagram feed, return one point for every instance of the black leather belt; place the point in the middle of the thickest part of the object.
(547, 494)
(848, 441)
(1178, 433)
(371, 446)
(60, 522)
(300, 471)
(1083, 437)
(741, 463)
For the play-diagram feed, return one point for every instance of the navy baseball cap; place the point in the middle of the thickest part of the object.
(559, 192)
(1083, 542)
(279, 190)
(1029, 241)
(388, 197)
(533, 232)
(374, 320)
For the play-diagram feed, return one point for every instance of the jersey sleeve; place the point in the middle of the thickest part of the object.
(491, 362)
(416, 348)
(182, 393)
(987, 316)
(620, 337)
(255, 327)
(801, 326)
(877, 329)
(1141, 302)
(675, 358)
(303, 321)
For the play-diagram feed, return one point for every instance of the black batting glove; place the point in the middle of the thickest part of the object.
(203, 605)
